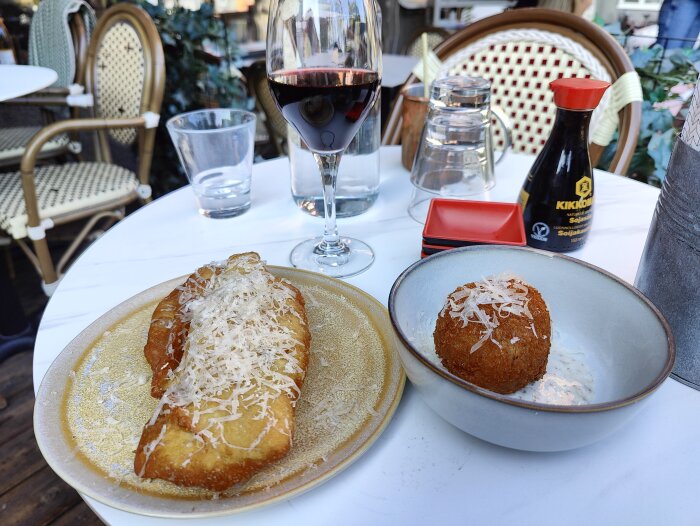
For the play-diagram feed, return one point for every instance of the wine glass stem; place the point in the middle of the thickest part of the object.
(328, 166)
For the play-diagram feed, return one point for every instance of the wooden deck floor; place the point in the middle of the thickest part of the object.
(30, 492)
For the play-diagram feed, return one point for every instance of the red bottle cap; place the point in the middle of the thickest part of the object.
(578, 94)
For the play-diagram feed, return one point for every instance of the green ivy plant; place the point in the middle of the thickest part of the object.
(667, 82)
(194, 78)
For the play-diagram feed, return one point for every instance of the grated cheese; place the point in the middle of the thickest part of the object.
(237, 356)
(505, 293)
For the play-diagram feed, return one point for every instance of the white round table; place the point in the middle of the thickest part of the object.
(421, 470)
(20, 80)
(396, 69)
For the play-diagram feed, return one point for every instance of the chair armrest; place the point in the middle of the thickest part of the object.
(71, 89)
(73, 95)
(61, 92)
(147, 120)
(38, 100)
(71, 125)
(72, 101)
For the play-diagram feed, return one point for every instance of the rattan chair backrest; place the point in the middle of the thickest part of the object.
(520, 52)
(275, 122)
(81, 39)
(58, 38)
(125, 67)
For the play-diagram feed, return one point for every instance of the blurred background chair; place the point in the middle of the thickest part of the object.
(435, 35)
(274, 122)
(125, 74)
(520, 52)
(58, 39)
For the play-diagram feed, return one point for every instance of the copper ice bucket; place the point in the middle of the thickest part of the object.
(413, 113)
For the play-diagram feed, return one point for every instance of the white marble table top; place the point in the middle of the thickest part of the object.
(249, 52)
(396, 69)
(20, 80)
(421, 470)
(254, 46)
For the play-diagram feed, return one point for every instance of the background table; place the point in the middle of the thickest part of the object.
(396, 69)
(249, 52)
(22, 80)
(421, 470)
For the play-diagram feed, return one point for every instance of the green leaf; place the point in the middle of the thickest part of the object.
(659, 148)
(167, 39)
(658, 94)
(641, 57)
(654, 121)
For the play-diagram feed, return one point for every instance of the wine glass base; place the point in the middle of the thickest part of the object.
(355, 257)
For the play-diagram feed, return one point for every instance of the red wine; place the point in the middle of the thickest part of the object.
(326, 106)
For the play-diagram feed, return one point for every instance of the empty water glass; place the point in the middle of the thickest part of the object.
(216, 150)
(454, 158)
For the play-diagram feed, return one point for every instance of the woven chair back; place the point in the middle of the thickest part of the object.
(520, 63)
(124, 69)
(81, 39)
(58, 38)
(276, 124)
(521, 52)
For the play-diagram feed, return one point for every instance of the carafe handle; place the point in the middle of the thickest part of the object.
(507, 127)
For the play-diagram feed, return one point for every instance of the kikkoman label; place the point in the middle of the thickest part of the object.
(584, 187)
(574, 205)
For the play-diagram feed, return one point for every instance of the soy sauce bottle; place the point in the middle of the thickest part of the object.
(557, 196)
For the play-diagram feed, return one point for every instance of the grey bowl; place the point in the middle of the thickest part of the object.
(625, 341)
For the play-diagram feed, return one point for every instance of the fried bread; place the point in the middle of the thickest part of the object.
(229, 352)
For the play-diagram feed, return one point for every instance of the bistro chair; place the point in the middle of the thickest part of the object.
(58, 39)
(520, 52)
(274, 122)
(125, 74)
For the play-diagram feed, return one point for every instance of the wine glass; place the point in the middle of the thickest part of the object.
(324, 71)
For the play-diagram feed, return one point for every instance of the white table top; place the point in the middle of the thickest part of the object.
(253, 46)
(421, 470)
(249, 52)
(396, 69)
(22, 80)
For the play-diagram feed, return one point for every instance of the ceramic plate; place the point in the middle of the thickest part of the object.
(94, 401)
(610, 349)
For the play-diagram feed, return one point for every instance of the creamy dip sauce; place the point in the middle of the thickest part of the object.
(568, 380)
